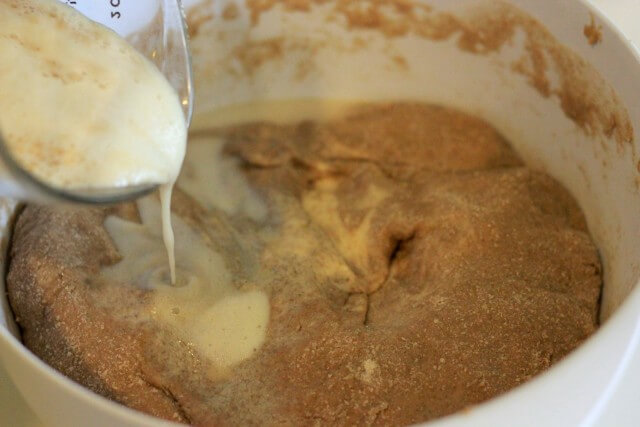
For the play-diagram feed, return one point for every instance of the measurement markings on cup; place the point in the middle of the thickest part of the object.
(115, 4)
(113, 7)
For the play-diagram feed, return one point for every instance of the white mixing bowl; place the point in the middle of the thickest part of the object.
(585, 388)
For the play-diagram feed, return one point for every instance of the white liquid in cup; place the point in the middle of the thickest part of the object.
(81, 108)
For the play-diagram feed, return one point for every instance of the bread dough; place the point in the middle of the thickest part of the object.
(413, 267)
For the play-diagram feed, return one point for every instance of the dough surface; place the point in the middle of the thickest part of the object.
(414, 267)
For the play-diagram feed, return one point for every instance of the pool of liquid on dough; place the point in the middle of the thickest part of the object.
(225, 324)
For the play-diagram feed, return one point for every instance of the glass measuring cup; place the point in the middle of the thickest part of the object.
(157, 29)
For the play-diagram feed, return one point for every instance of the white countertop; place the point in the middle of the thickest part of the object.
(15, 412)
